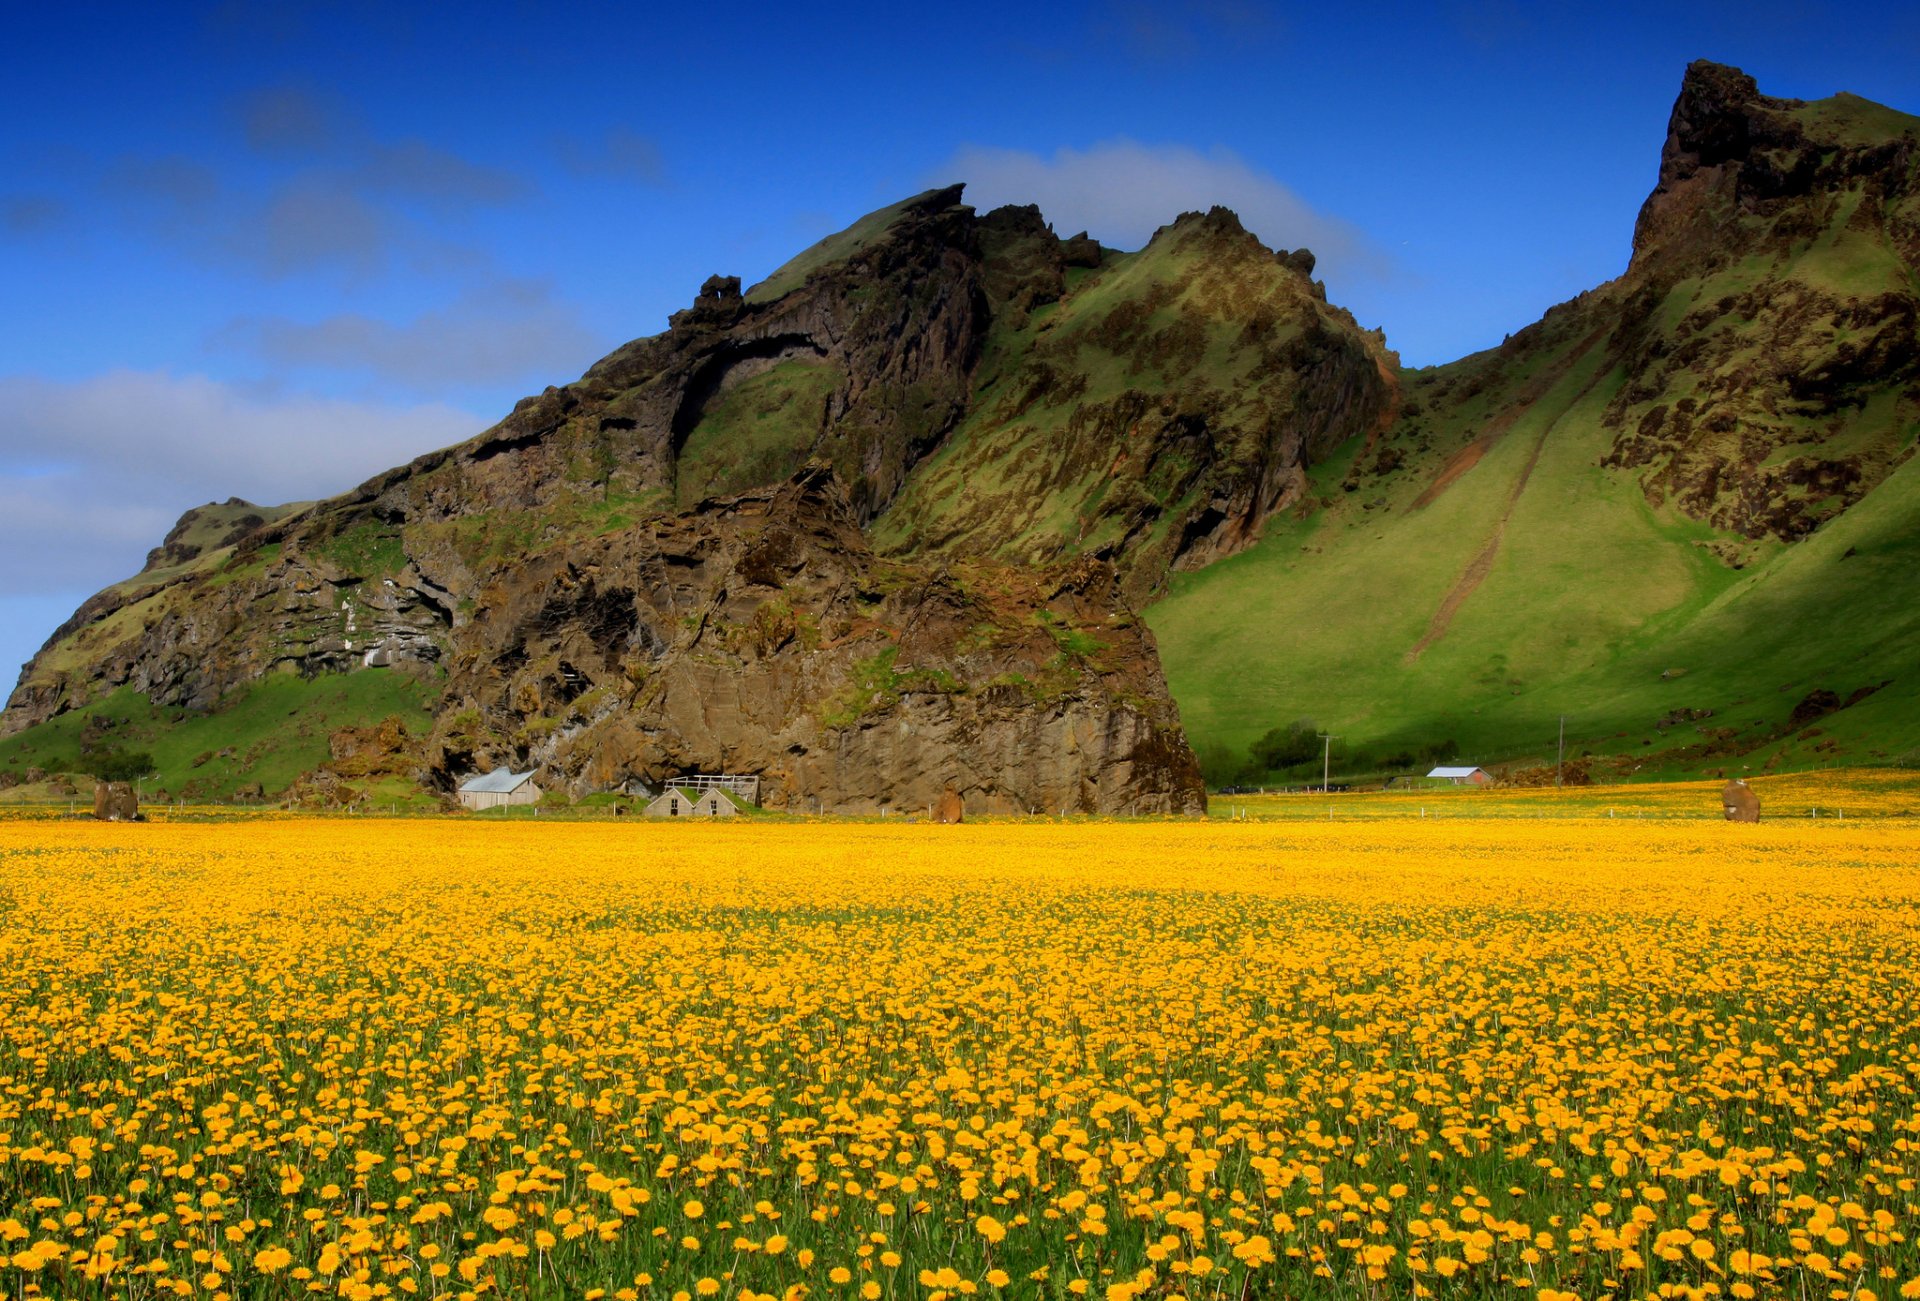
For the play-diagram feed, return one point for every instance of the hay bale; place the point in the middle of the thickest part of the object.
(115, 802)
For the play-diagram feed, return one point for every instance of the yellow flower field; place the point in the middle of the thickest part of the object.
(1530, 1058)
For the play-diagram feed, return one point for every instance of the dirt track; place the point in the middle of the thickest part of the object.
(1467, 457)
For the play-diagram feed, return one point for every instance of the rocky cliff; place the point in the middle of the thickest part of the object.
(760, 634)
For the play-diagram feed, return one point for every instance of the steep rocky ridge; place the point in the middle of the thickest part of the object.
(1156, 408)
(1687, 493)
(1760, 357)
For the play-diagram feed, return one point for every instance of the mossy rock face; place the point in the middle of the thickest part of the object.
(776, 643)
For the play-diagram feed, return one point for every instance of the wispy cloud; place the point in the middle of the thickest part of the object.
(31, 214)
(508, 332)
(287, 121)
(93, 472)
(1159, 31)
(329, 196)
(621, 153)
(1122, 191)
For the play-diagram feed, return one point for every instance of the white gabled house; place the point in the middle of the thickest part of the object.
(694, 802)
(671, 803)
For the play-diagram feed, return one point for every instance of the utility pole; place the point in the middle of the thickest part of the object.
(1560, 763)
(1326, 761)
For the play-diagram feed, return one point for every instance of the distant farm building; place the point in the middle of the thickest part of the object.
(673, 803)
(499, 787)
(691, 801)
(1463, 776)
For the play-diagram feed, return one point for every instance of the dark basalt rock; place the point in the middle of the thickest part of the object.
(761, 634)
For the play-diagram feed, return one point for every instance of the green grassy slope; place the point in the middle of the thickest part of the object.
(270, 734)
(837, 247)
(1681, 510)
(1595, 606)
(756, 431)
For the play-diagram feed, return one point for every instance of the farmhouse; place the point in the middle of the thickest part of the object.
(491, 790)
(1463, 776)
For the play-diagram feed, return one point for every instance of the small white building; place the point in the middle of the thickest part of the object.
(497, 788)
(672, 803)
(1463, 776)
(683, 802)
(716, 803)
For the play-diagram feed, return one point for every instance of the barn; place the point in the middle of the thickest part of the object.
(501, 786)
(1463, 776)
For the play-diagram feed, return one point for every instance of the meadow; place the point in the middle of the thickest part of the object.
(1452, 1057)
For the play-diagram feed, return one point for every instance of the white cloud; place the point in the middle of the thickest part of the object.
(1122, 191)
(93, 472)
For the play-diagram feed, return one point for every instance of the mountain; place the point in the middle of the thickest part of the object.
(1676, 510)
(1680, 510)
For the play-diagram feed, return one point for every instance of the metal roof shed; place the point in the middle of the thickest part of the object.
(499, 787)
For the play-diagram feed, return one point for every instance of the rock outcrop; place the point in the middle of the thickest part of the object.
(1770, 301)
(760, 634)
(1760, 357)
(1159, 421)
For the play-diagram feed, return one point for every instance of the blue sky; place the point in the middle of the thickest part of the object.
(267, 250)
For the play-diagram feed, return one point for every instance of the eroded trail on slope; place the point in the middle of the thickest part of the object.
(1482, 563)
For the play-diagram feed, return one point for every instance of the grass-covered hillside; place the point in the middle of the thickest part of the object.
(1681, 511)
(258, 741)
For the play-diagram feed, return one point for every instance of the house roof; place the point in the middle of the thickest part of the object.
(720, 793)
(1453, 772)
(498, 782)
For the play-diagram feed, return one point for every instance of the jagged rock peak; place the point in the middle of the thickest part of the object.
(1718, 118)
(1216, 221)
(1731, 151)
